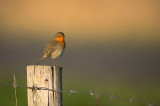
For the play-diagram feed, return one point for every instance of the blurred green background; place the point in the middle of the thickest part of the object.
(113, 46)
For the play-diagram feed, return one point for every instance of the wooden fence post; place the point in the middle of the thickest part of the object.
(58, 87)
(47, 77)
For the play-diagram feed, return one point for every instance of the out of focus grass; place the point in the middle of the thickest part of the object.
(145, 90)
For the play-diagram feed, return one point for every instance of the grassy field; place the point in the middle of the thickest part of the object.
(146, 91)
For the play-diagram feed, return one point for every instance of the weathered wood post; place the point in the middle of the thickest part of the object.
(47, 77)
(58, 87)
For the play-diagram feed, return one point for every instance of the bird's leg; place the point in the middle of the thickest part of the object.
(55, 63)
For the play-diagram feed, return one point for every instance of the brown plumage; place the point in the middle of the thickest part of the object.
(54, 48)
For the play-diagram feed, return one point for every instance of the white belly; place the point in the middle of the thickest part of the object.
(57, 52)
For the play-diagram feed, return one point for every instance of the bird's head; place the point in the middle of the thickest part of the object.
(59, 36)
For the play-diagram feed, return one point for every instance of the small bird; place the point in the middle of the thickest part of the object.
(55, 48)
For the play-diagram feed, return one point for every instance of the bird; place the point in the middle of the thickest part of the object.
(55, 48)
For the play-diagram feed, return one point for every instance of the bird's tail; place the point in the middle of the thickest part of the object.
(39, 60)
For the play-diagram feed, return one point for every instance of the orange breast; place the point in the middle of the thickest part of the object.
(62, 43)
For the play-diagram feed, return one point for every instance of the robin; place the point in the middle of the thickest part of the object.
(55, 48)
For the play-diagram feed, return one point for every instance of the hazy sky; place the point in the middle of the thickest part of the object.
(67, 14)
(78, 18)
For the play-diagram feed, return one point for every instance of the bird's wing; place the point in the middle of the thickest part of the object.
(50, 47)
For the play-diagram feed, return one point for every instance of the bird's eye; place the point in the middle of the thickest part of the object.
(59, 36)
